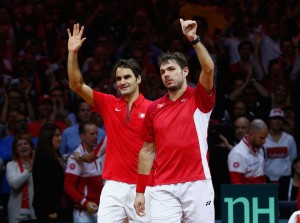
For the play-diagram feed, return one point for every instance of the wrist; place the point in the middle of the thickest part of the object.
(141, 183)
(196, 40)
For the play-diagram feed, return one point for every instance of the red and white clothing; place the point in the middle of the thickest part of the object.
(100, 149)
(123, 128)
(279, 156)
(179, 130)
(246, 164)
(83, 181)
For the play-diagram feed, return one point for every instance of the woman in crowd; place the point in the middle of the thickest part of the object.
(50, 202)
(19, 177)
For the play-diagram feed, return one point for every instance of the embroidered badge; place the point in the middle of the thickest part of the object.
(72, 166)
(141, 115)
(236, 164)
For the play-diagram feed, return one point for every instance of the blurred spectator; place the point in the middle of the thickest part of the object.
(275, 77)
(235, 33)
(46, 113)
(288, 185)
(83, 181)
(289, 120)
(235, 110)
(142, 40)
(15, 100)
(248, 60)
(288, 189)
(18, 173)
(241, 127)
(254, 95)
(280, 148)
(49, 201)
(287, 57)
(70, 135)
(95, 73)
(245, 162)
(280, 97)
(60, 104)
(270, 44)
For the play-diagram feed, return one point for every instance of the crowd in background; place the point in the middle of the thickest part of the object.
(254, 44)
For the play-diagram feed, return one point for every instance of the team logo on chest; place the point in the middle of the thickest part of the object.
(141, 115)
(160, 105)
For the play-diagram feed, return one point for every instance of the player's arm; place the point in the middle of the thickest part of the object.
(145, 162)
(189, 29)
(75, 78)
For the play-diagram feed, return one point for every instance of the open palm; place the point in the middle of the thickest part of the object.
(75, 39)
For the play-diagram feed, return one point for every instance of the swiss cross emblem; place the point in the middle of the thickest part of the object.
(72, 166)
(236, 164)
(142, 115)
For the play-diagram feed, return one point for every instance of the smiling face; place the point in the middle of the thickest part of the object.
(172, 75)
(23, 149)
(126, 82)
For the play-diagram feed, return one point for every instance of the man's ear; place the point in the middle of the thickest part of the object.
(139, 79)
(185, 71)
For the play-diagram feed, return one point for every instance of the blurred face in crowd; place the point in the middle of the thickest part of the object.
(84, 113)
(89, 136)
(23, 148)
(45, 108)
(56, 140)
(241, 126)
(239, 109)
(276, 123)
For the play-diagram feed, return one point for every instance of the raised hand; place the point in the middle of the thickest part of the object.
(189, 28)
(75, 39)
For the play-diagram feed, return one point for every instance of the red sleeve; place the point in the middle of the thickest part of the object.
(69, 185)
(237, 178)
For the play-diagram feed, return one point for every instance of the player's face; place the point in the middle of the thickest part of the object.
(172, 75)
(126, 82)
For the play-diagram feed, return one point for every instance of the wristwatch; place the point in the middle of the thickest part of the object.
(196, 40)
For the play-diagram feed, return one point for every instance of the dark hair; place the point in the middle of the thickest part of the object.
(23, 136)
(245, 43)
(130, 64)
(82, 125)
(45, 145)
(177, 57)
(293, 163)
